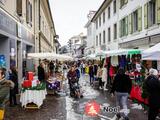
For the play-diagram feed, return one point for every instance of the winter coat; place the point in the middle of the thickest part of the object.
(5, 86)
(104, 75)
(122, 83)
(99, 73)
(41, 73)
(91, 70)
(72, 76)
(78, 73)
(14, 78)
(152, 86)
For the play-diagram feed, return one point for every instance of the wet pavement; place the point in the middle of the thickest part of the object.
(67, 108)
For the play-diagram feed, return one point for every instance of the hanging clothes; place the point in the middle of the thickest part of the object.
(122, 61)
(114, 61)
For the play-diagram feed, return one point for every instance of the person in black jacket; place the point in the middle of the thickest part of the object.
(13, 76)
(41, 72)
(152, 86)
(122, 87)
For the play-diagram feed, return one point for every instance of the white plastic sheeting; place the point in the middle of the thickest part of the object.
(152, 53)
(52, 56)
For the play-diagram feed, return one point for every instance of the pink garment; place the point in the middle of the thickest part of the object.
(111, 71)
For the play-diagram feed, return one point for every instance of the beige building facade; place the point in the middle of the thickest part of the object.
(25, 26)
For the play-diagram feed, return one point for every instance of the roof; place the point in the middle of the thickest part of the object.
(103, 6)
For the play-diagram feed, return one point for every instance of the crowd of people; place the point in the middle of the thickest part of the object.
(121, 84)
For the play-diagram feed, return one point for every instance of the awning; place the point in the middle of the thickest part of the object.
(50, 56)
(152, 53)
(123, 52)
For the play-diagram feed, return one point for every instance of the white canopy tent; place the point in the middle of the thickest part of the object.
(92, 57)
(152, 53)
(50, 56)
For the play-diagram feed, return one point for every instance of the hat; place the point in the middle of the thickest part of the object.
(153, 72)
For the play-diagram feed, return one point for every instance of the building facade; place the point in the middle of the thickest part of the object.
(127, 24)
(106, 22)
(142, 23)
(77, 45)
(44, 28)
(90, 48)
(18, 33)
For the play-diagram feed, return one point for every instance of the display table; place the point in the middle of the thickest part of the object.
(33, 96)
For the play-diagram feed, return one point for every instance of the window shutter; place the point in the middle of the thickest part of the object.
(19, 7)
(30, 10)
(126, 25)
(130, 24)
(140, 19)
(27, 11)
(120, 28)
(158, 11)
(146, 15)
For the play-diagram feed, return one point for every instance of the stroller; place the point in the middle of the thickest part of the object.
(75, 89)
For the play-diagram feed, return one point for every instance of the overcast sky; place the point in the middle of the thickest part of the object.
(70, 16)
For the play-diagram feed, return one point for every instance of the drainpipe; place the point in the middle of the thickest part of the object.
(39, 25)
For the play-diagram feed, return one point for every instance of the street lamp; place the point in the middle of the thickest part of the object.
(56, 44)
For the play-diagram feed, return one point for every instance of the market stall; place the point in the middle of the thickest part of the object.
(33, 92)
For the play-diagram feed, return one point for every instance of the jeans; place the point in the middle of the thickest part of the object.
(121, 101)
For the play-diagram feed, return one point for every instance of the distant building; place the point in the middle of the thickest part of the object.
(77, 45)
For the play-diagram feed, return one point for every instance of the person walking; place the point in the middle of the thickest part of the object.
(152, 87)
(13, 76)
(78, 74)
(72, 77)
(122, 87)
(104, 78)
(41, 73)
(51, 68)
(5, 86)
(99, 76)
(91, 74)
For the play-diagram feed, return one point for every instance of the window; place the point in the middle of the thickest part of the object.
(115, 31)
(100, 39)
(152, 13)
(96, 40)
(135, 21)
(104, 37)
(96, 24)
(104, 17)
(124, 27)
(109, 12)
(114, 6)
(28, 12)
(123, 2)
(109, 34)
(19, 7)
(99, 21)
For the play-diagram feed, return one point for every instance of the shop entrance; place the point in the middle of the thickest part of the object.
(4, 52)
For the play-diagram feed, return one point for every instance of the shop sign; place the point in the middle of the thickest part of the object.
(24, 54)
(12, 52)
(19, 30)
